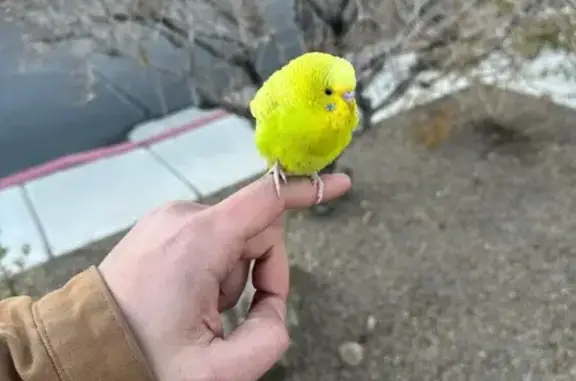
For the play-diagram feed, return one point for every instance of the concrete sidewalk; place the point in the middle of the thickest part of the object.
(76, 200)
(68, 208)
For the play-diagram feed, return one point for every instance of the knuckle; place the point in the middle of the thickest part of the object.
(208, 373)
(180, 206)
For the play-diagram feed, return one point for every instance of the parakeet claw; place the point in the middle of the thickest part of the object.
(317, 181)
(278, 175)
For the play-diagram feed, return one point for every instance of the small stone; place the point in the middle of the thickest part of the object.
(370, 324)
(292, 318)
(421, 216)
(367, 217)
(351, 353)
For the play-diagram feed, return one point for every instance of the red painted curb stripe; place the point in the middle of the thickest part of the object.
(76, 159)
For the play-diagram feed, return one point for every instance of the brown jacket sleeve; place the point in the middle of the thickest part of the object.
(75, 333)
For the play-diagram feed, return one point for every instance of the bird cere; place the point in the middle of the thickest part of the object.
(305, 116)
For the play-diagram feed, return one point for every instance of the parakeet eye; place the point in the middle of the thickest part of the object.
(328, 91)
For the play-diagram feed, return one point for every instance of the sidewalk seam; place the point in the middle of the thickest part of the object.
(37, 221)
(173, 171)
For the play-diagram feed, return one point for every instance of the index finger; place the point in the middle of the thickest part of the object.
(256, 206)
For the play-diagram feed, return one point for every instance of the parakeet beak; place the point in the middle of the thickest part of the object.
(349, 95)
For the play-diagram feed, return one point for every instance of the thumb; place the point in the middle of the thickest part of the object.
(256, 344)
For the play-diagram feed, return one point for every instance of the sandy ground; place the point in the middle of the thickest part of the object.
(464, 255)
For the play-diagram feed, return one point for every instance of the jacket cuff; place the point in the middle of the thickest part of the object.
(85, 333)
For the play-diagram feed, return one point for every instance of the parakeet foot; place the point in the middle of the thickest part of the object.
(317, 181)
(278, 174)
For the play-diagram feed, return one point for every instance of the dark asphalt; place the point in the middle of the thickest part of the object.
(42, 116)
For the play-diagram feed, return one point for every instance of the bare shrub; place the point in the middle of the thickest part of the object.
(13, 278)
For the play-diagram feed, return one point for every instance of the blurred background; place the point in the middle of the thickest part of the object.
(113, 70)
(100, 96)
(453, 256)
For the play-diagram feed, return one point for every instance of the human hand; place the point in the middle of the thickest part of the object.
(183, 264)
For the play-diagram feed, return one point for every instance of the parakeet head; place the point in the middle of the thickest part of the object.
(339, 85)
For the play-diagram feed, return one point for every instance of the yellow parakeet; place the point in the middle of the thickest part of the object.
(305, 115)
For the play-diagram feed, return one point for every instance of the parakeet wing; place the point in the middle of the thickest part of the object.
(265, 101)
(299, 138)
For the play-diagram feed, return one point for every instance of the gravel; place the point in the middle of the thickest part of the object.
(463, 255)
